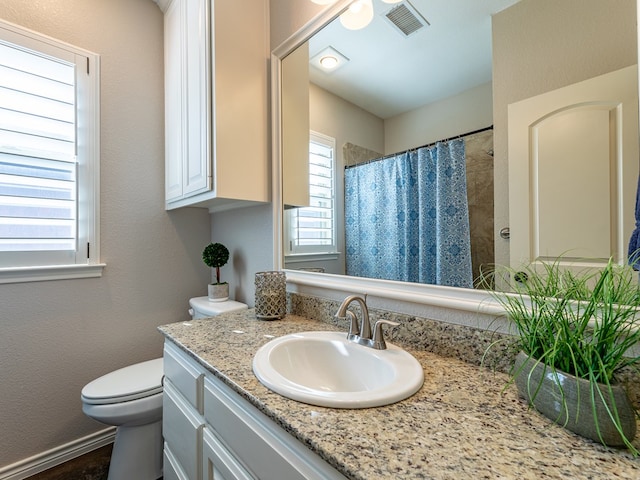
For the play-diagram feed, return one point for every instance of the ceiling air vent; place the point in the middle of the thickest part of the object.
(406, 18)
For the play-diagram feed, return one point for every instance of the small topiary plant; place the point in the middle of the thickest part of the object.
(216, 255)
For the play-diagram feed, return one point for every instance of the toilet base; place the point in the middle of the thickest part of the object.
(137, 453)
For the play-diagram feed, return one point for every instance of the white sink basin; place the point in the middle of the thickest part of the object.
(323, 368)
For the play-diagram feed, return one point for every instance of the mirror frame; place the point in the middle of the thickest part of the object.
(401, 296)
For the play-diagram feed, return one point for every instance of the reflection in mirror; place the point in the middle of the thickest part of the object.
(444, 91)
(407, 216)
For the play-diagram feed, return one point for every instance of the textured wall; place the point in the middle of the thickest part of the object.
(248, 233)
(56, 336)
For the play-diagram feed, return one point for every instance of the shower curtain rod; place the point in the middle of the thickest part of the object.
(480, 130)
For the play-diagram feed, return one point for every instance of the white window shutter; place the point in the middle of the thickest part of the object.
(49, 157)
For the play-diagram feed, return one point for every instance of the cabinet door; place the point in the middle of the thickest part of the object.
(263, 447)
(219, 463)
(185, 375)
(182, 430)
(171, 469)
(175, 148)
(196, 165)
(187, 98)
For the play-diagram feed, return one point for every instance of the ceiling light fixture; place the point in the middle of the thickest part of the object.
(323, 2)
(358, 15)
(329, 62)
(385, 1)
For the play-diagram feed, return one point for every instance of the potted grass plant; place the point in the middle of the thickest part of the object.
(577, 331)
(216, 255)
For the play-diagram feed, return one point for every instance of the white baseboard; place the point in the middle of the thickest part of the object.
(57, 456)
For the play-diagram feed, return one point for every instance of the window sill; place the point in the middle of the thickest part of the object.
(307, 257)
(53, 272)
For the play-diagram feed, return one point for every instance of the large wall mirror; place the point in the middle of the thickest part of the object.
(394, 93)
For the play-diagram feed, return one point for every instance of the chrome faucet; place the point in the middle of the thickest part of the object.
(361, 334)
(355, 332)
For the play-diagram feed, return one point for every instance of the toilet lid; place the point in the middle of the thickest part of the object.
(206, 307)
(128, 383)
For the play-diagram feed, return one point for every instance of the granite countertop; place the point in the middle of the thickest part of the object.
(462, 424)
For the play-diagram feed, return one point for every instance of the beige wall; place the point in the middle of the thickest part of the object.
(288, 16)
(465, 112)
(248, 233)
(541, 45)
(344, 121)
(56, 336)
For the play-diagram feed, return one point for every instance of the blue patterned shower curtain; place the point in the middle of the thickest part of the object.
(407, 217)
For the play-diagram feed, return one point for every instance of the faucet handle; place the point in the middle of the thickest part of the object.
(354, 330)
(377, 341)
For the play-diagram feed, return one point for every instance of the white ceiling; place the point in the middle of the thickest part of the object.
(389, 73)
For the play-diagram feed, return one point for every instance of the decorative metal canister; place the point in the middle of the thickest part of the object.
(271, 295)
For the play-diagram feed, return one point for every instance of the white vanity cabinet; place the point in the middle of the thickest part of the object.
(212, 433)
(182, 415)
(216, 149)
(183, 440)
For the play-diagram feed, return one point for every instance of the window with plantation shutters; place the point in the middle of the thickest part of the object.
(312, 229)
(48, 158)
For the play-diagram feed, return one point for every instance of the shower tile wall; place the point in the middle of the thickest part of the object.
(354, 154)
(479, 152)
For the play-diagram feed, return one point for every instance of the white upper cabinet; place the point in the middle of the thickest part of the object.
(216, 149)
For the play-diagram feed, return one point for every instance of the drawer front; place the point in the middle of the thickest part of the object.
(182, 431)
(258, 442)
(171, 468)
(219, 463)
(184, 373)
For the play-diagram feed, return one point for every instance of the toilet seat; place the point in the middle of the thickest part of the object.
(129, 383)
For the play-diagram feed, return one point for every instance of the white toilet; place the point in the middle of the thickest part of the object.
(131, 399)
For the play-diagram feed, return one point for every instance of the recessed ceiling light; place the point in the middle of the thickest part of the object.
(328, 60)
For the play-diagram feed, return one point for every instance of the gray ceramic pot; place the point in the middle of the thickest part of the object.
(218, 292)
(566, 400)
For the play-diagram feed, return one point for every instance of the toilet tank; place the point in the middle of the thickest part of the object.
(202, 307)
